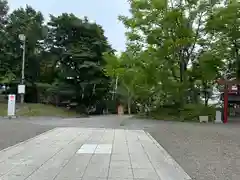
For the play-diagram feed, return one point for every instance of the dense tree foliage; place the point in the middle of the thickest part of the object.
(64, 57)
(77, 46)
(176, 50)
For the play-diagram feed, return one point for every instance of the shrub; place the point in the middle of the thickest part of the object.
(189, 112)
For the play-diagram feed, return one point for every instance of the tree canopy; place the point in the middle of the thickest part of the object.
(175, 52)
(64, 56)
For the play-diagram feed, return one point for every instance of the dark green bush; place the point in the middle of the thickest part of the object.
(189, 112)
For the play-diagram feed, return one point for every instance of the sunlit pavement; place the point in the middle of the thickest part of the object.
(89, 154)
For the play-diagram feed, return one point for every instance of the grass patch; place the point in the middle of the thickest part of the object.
(34, 110)
(190, 112)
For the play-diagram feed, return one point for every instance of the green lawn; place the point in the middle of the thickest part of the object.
(38, 110)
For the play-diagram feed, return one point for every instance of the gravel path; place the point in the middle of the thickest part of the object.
(205, 151)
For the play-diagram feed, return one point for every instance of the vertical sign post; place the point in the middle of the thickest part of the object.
(11, 105)
(225, 105)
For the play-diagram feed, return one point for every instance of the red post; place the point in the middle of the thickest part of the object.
(225, 115)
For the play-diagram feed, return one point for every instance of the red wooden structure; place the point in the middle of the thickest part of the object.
(231, 90)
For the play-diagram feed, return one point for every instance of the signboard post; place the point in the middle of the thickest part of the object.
(11, 105)
(21, 91)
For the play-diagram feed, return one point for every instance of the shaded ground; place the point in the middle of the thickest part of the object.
(205, 151)
(12, 132)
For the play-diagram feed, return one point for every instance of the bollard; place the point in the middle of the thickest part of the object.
(218, 118)
(203, 119)
(11, 105)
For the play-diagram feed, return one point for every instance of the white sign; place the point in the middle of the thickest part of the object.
(234, 88)
(21, 89)
(11, 104)
(218, 117)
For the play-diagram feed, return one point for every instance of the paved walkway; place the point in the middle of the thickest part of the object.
(89, 154)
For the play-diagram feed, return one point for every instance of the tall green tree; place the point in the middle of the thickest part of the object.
(173, 32)
(173, 55)
(124, 75)
(29, 22)
(3, 21)
(224, 25)
(78, 46)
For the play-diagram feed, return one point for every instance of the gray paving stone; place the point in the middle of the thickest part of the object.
(66, 178)
(13, 177)
(108, 137)
(120, 157)
(121, 179)
(53, 157)
(96, 170)
(145, 174)
(120, 150)
(165, 169)
(103, 149)
(120, 164)
(75, 168)
(141, 157)
(71, 172)
(119, 147)
(21, 171)
(94, 178)
(5, 167)
(136, 150)
(54, 165)
(81, 159)
(5, 155)
(98, 166)
(120, 173)
(45, 173)
(145, 179)
(141, 164)
(104, 159)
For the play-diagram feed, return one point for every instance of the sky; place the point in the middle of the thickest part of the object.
(104, 12)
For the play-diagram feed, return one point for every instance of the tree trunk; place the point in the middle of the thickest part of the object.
(205, 93)
(237, 59)
(206, 100)
(129, 105)
(183, 78)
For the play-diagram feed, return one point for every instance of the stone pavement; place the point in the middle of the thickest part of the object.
(89, 154)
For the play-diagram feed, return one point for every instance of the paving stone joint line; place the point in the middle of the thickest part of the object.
(129, 152)
(113, 140)
(92, 155)
(71, 156)
(24, 142)
(169, 156)
(149, 157)
(61, 149)
(114, 154)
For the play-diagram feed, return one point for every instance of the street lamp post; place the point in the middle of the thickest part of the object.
(115, 88)
(22, 38)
